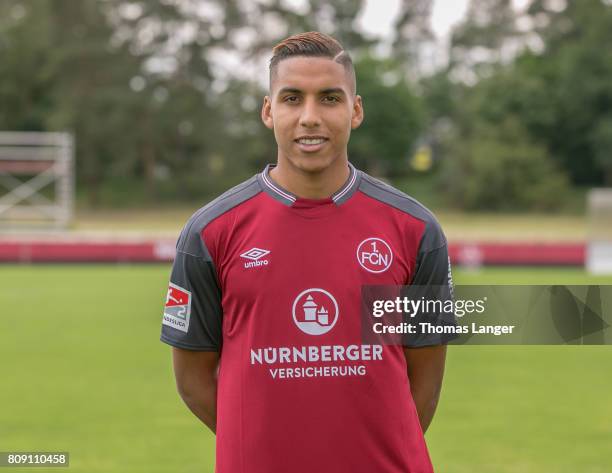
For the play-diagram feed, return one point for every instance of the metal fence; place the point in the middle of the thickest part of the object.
(36, 179)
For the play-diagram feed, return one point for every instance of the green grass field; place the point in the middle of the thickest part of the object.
(457, 226)
(83, 371)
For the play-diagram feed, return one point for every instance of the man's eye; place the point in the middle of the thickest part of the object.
(291, 99)
(330, 99)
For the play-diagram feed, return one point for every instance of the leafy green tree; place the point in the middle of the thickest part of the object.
(478, 42)
(500, 168)
(413, 35)
(61, 74)
(28, 69)
(393, 118)
(578, 63)
(560, 91)
(601, 138)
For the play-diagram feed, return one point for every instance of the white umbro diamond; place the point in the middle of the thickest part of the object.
(255, 254)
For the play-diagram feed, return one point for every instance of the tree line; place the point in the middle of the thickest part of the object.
(163, 97)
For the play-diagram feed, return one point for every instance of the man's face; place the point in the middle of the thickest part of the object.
(312, 109)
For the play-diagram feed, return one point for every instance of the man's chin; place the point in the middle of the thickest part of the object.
(311, 164)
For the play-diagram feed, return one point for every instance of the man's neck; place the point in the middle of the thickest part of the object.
(311, 185)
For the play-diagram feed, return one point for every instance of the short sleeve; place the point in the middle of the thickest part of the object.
(193, 313)
(434, 269)
(433, 282)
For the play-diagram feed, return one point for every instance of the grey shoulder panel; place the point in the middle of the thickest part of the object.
(433, 237)
(197, 325)
(190, 241)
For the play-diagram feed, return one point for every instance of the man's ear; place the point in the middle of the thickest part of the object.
(357, 116)
(266, 113)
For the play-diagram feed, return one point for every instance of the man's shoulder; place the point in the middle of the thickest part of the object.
(389, 195)
(190, 238)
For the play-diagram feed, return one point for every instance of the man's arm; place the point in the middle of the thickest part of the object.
(425, 372)
(196, 381)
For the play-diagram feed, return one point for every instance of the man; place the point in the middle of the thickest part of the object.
(263, 309)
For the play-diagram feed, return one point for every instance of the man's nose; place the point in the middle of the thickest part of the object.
(310, 116)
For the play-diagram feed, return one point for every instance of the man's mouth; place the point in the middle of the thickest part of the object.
(311, 143)
(315, 140)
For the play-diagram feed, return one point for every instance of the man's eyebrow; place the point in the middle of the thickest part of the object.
(293, 90)
(289, 90)
(334, 90)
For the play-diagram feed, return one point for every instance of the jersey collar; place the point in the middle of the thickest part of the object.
(287, 198)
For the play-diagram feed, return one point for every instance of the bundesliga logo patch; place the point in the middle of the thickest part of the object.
(178, 308)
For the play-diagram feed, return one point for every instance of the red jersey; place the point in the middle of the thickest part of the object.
(273, 282)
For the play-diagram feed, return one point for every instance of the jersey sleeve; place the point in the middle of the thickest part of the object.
(433, 282)
(193, 313)
(434, 269)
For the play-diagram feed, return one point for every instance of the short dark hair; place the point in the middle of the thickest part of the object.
(312, 44)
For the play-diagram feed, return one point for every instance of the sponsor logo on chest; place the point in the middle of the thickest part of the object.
(315, 312)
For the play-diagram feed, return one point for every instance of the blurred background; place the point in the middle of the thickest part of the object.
(501, 107)
(118, 119)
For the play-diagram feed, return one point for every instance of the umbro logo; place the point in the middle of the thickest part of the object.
(255, 253)
(255, 256)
